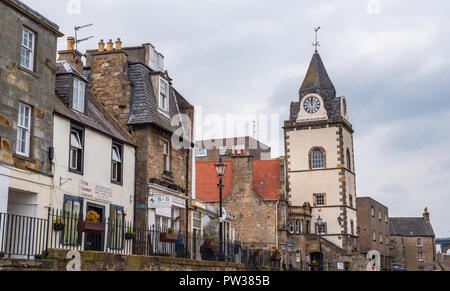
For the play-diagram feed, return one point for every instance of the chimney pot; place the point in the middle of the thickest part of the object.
(118, 44)
(101, 45)
(110, 45)
(70, 43)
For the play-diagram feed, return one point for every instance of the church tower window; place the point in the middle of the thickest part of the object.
(317, 159)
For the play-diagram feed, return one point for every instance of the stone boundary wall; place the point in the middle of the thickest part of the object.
(100, 261)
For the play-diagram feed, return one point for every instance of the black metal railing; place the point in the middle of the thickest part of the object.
(25, 237)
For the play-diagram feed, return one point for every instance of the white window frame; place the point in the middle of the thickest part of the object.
(201, 152)
(79, 95)
(23, 126)
(321, 230)
(223, 150)
(381, 238)
(420, 256)
(372, 211)
(161, 97)
(317, 159)
(116, 162)
(166, 152)
(197, 219)
(27, 48)
(322, 196)
(75, 148)
(421, 242)
(297, 226)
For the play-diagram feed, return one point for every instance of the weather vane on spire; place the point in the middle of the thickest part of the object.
(316, 44)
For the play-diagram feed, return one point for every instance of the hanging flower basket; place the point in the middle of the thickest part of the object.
(58, 226)
(168, 237)
(276, 257)
(130, 236)
(90, 227)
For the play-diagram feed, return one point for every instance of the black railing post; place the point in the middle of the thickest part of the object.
(48, 227)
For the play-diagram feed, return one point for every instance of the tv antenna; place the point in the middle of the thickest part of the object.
(77, 41)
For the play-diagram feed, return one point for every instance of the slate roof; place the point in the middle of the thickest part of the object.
(97, 118)
(409, 226)
(317, 81)
(266, 181)
(144, 105)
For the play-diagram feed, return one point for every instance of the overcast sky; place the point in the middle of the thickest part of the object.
(389, 58)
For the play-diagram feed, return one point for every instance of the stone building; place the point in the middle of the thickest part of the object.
(209, 150)
(373, 228)
(250, 197)
(320, 168)
(27, 98)
(413, 243)
(134, 87)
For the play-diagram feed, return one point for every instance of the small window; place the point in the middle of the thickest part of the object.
(27, 49)
(419, 242)
(317, 159)
(421, 269)
(381, 238)
(76, 150)
(166, 156)
(23, 130)
(349, 160)
(374, 236)
(319, 199)
(372, 211)
(197, 220)
(116, 228)
(291, 226)
(420, 256)
(387, 240)
(379, 215)
(163, 94)
(352, 227)
(350, 199)
(201, 152)
(386, 218)
(116, 163)
(223, 150)
(297, 226)
(79, 90)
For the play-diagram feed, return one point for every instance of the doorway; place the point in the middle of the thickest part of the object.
(95, 241)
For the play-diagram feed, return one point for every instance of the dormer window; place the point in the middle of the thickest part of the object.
(163, 94)
(79, 89)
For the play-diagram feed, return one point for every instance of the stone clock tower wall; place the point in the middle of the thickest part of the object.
(330, 188)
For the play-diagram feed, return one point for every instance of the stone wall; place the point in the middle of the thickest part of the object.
(35, 88)
(100, 261)
(406, 253)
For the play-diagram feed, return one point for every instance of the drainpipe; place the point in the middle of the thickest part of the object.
(187, 200)
(134, 198)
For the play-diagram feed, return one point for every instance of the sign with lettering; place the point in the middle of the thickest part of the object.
(165, 201)
(93, 191)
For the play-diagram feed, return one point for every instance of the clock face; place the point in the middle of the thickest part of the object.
(312, 105)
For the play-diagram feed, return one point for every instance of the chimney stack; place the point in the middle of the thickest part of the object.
(426, 214)
(71, 55)
(101, 45)
(118, 44)
(110, 45)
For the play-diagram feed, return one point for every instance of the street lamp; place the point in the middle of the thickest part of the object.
(319, 232)
(220, 169)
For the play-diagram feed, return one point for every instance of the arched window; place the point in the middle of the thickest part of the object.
(349, 161)
(317, 159)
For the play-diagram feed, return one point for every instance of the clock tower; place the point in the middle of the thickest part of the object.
(320, 164)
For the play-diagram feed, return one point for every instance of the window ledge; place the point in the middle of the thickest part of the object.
(26, 70)
(169, 176)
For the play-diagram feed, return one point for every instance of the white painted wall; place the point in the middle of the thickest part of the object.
(4, 185)
(97, 168)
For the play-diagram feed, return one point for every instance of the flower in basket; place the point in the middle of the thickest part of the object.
(130, 230)
(170, 230)
(92, 217)
(212, 238)
(58, 220)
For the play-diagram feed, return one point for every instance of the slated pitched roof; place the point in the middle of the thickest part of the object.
(409, 226)
(145, 107)
(266, 181)
(97, 118)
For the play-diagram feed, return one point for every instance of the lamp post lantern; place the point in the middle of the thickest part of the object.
(220, 170)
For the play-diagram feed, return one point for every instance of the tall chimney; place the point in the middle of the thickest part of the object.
(110, 45)
(118, 44)
(101, 45)
(426, 214)
(71, 55)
